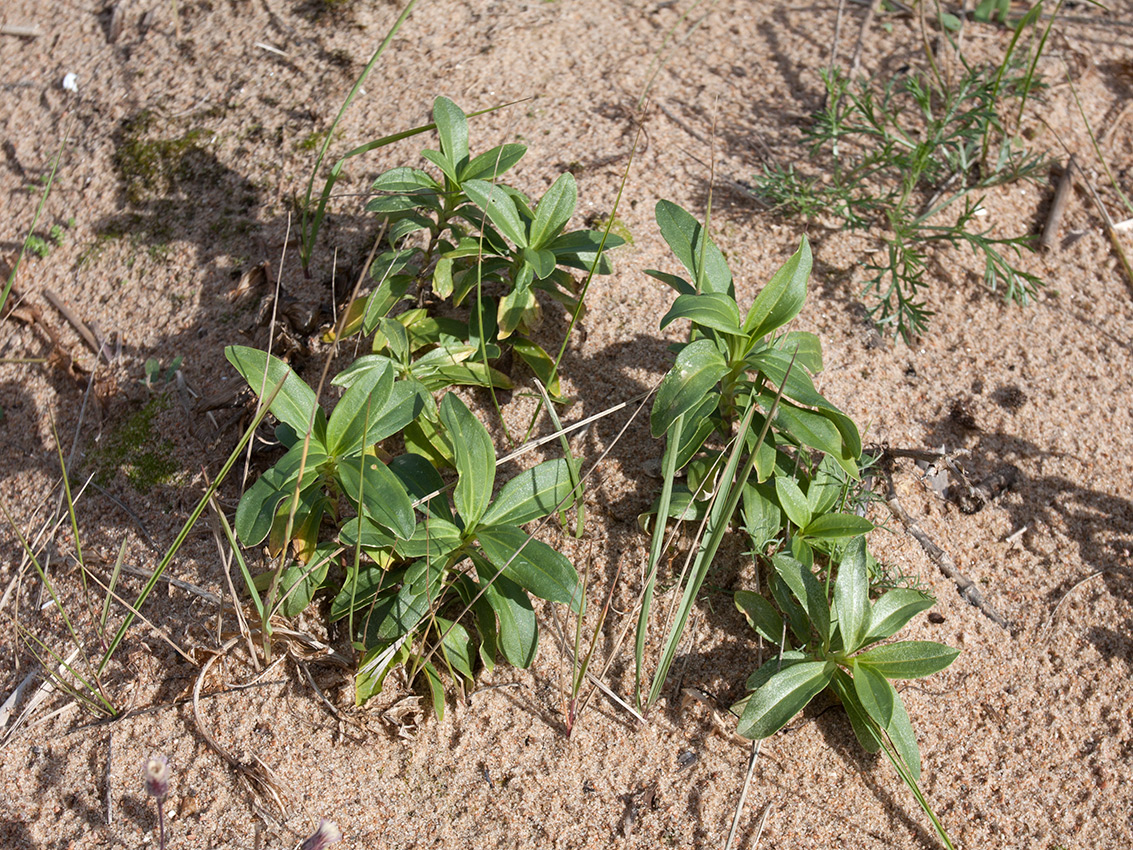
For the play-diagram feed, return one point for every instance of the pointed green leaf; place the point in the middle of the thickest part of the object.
(295, 402)
(554, 210)
(837, 527)
(367, 480)
(783, 296)
(796, 616)
(519, 631)
(357, 409)
(792, 500)
(760, 615)
(762, 675)
(864, 729)
(786, 694)
(894, 609)
(698, 368)
(475, 459)
(532, 494)
(909, 659)
(710, 310)
(532, 564)
(452, 127)
(436, 689)
(690, 243)
(807, 589)
(875, 694)
(804, 347)
(499, 207)
(492, 163)
(851, 596)
(446, 165)
(904, 738)
(257, 508)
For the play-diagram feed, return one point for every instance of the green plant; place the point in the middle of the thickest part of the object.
(405, 584)
(838, 633)
(461, 235)
(910, 161)
(740, 368)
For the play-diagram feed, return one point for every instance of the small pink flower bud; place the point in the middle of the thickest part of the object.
(326, 835)
(157, 776)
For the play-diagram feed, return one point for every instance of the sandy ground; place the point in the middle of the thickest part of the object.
(1027, 739)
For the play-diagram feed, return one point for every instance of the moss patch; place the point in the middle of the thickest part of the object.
(136, 450)
(152, 168)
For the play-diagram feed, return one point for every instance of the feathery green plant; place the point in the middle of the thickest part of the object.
(911, 161)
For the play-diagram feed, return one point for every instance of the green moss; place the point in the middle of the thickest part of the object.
(136, 450)
(152, 167)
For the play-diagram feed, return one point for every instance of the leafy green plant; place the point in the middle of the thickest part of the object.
(910, 161)
(791, 455)
(460, 234)
(832, 638)
(403, 583)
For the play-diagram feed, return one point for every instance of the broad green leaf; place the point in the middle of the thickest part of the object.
(404, 179)
(710, 309)
(475, 460)
(814, 430)
(485, 619)
(492, 163)
(865, 730)
(682, 286)
(361, 588)
(851, 596)
(394, 615)
(407, 400)
(541, 261)
(698, 368)
(442, 277)
(299, 582)
(531, 494)
(257, 508)
(356, 410)
(499, 207)
(578, 249)
(792, 500)
(797, 386)
(904, 738)
(836, 527)
(762, 675)
(875, 694)
(909, 659)
(532, 564)
(697, 426)
(783, 296)
(554, 211)
(294, 404)
(389, 293)
(432, 538)
(804, 347)
(894, 609)
(541, 364)
(456, 646)
(825, 489)
(514, 310)
(446, 165)
(519, 631)
(796, 616)
(421, 479)
(687, 239)
(367, 481)
(452, 127)
(760, 615)
(763, 520)
(807, 589)
(786, 694)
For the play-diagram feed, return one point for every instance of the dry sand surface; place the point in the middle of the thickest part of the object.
(1027, 738)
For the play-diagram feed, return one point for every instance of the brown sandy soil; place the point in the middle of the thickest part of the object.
(1027, 739)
